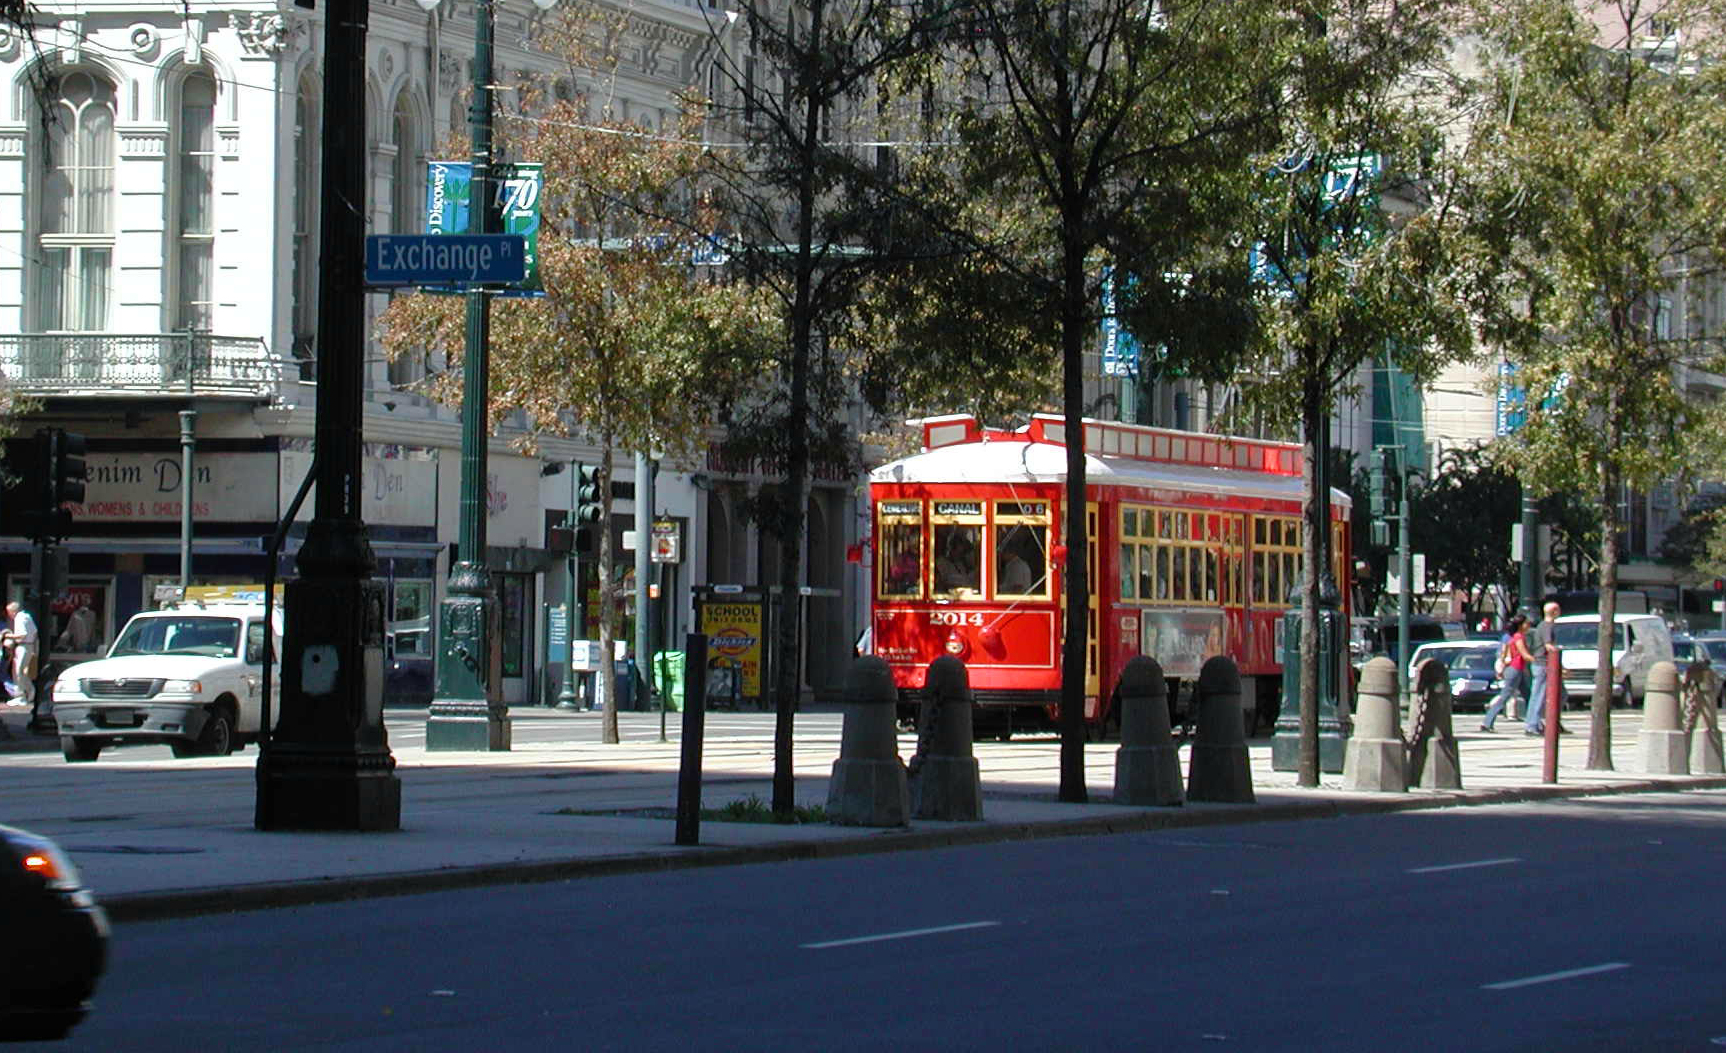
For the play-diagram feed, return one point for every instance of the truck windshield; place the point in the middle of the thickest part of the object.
(1585, 635)
(179, 634)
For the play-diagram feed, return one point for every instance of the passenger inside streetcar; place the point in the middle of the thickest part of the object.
(1019, 564)
(956, 567)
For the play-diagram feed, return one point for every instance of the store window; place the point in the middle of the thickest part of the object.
(80, 617)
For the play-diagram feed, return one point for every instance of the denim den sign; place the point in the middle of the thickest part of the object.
(398, 487)
(147, 487)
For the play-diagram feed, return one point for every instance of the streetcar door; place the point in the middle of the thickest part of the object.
(1092, 563)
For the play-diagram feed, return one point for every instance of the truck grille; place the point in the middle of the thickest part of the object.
(131, 688)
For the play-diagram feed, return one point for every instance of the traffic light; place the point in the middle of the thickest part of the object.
(589, 509)
(68, 470)
(1379, 482)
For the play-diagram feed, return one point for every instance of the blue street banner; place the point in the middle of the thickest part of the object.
(1512, 400)
(449, 186)
(1120, 350)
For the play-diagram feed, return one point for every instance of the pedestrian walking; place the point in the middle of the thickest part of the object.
(21, 634)
(1512, 665)
(1541, 651)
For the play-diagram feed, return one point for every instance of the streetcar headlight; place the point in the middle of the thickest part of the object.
(957, 645)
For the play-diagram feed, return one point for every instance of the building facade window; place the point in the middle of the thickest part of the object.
(195, 271)
(75, 205)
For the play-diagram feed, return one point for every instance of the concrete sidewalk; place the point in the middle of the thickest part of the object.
(159, 837)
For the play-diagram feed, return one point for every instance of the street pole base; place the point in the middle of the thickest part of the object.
(456, 725)
(1332, 746)
(316, 791)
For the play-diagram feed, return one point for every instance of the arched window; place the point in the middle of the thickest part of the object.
(196, 233)
(75, 205)
(306, 182)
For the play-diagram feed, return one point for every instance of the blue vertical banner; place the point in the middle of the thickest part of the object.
(1512, 409)
(1120, 350)
(449, 192)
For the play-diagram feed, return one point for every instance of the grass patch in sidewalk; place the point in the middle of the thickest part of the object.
(751, 809)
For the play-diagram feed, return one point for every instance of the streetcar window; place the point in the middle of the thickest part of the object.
(1147, 573)
(957, 568)
(1020, 569)
(1129, 576)
(1277, 559)
(901, 559)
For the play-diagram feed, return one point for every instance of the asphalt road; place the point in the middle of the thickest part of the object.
(1586, 925)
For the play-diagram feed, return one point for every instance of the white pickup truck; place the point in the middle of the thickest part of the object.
(190, 676)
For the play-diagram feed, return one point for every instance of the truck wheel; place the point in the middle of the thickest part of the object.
(218, 737)
(79, 750)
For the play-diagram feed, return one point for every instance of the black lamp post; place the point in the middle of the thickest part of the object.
(329, 765)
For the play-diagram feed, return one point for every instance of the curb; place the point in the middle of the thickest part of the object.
(184, 903)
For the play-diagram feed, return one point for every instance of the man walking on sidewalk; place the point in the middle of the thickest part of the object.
(22, 635)
(1540, 647)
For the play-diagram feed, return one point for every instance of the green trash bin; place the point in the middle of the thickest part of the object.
(668, 677)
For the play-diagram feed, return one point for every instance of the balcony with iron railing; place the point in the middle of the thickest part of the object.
(138, 365)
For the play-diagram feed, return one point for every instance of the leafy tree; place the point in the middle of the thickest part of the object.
(801, 205)
(1462, 519)
(1090, 135)
(627, 346)
(1598, 194)
(1342, 284)
(1690, 542)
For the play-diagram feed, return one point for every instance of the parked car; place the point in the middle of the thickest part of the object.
(56, 939)
(1473, 684)
(1638, 641)
(1712, 649)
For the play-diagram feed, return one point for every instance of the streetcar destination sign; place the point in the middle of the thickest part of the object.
(442, 259)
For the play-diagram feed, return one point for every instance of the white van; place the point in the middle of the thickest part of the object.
(1638, 641)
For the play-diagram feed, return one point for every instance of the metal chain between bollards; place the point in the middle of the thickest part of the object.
(925, 733)
(1421, 721)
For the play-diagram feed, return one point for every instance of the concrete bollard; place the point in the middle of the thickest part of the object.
(945, 781)
(868, 787)
(1434, 761)
(1374, 758)
(1706, 756)
(1147, 766)
(1698, 690)
(1218, 769)
(1664, 751)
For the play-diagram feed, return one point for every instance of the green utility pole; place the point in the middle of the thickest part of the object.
(328, 766)
(467, 712)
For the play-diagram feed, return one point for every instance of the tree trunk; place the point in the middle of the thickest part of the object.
(1073, 575)
(793, 542)
(1600, 733)
(607, 599)
(1312, 408)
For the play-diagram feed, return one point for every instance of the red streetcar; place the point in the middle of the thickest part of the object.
(1198, 537)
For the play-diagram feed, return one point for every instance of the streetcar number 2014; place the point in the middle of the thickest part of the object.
(955, 617)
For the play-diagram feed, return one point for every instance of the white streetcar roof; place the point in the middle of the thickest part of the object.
(1041, 462)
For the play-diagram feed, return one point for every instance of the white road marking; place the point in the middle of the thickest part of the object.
(1546, 978)
(907, 934)
(1466, 866)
